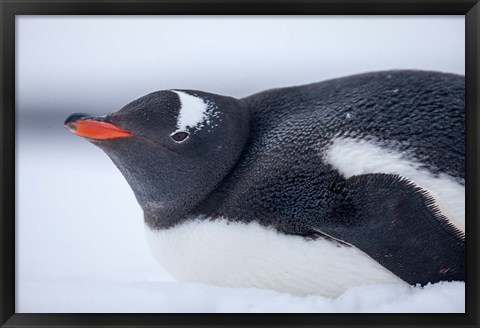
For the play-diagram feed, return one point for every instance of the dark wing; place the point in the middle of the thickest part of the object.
(397, 224)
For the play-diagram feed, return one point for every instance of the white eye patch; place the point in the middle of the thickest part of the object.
(193, 112)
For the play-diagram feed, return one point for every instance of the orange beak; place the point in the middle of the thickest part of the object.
(93, 129)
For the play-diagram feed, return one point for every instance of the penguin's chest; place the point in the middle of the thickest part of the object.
(250, 255)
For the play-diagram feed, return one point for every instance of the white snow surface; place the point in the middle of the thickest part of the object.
(81, 248)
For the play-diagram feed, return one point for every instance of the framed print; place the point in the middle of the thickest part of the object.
(196, 163)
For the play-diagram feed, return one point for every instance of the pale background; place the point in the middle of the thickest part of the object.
(80, 243)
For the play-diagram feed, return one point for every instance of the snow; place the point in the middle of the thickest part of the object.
(81, 243)
(154, 297)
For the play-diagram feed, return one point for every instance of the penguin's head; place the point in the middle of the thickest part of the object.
(173, 147)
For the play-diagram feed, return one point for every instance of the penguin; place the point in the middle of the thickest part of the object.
(309, 189)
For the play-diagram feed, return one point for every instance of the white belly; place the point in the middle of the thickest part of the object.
(250, 255)
(355, 156)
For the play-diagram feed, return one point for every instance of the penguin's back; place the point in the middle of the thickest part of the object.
(289, 166)
(421, 114)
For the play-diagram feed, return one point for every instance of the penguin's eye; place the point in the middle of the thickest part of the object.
(179, 136)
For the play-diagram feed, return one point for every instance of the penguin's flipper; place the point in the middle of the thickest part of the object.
(398, 224)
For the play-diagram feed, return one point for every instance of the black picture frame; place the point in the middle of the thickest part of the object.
(10, 8)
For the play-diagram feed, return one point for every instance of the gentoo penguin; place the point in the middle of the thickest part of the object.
(310, 189)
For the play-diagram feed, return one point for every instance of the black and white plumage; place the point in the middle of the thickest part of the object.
(308, 189)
